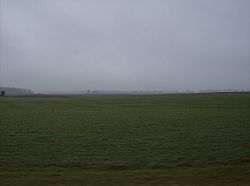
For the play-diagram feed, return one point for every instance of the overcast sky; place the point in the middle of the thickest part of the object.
(125, 44)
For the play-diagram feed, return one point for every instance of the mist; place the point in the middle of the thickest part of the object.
(165, 45)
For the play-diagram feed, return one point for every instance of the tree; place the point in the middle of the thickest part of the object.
(2, 93)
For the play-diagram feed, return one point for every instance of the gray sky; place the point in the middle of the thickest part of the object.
(125, 44)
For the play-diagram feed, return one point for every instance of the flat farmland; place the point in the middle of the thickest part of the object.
(181, 139)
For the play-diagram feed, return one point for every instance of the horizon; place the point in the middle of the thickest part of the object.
(88, 91)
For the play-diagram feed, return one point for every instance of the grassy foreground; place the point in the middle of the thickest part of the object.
(189, 139)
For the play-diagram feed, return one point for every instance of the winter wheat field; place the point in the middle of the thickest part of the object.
(182, 139)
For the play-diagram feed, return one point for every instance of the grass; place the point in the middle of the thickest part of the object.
(195, 139)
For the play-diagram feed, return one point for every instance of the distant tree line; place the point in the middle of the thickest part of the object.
(14, 91)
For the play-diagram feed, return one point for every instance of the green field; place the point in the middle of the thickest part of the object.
(185, 139)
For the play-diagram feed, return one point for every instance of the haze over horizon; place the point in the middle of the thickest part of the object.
(165, 45)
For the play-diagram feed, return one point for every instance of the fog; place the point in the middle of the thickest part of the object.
(125, 44)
